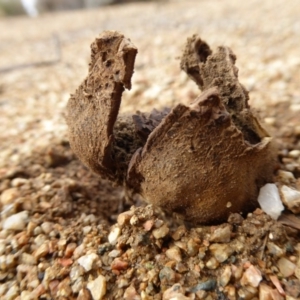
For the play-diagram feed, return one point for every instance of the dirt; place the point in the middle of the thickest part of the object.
(62, 246)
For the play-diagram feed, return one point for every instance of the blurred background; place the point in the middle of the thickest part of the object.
(36, 7)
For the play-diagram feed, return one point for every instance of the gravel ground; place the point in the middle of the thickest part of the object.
(61, 233)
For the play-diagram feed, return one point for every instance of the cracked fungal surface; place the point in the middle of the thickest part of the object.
(202, 161)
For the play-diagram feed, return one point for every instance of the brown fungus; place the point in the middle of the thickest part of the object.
(202, 161)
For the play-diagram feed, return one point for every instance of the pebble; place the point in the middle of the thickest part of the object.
(88, 261)
(70, 249)
(47, 227)
(208, 285)
(124, 218)
(174, 254)
(252, 276)
(291, 198)
(221, 234)
(269, 200)
(86, 230)
(84, 294)
(221, 251)
(161, 232)
(16, 222)
(114, 234)
(97, 287)
(212, 263)
(275, 250)
(28, 259)
(131, 294)
(225, 276)
(9, 196)
(175, 292)
(286, 267)
(192, 247)
(119, 264)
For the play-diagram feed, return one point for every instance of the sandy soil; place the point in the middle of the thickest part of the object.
(61, 245)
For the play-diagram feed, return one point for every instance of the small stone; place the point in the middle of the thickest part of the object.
(221, 251)
(124, 218)
(180, 231)
(148, 225)
(235, 219)
(208, 285)
(86, 229)
(28, 259)
(291, 198)
(285, 177)
(9, 196)
(16, 222)
(212, 264)
(167, 276)
(269, 200)
(176, 292)
(131, 294)
(113, 235)
(47, 227)
(275, 250)
(192, 247)
(13, 292)
(119, 264)
(252, 276)
(134, 220)
(225, 276)
(174, 254)
(88, 261)
(265, 292)
(78, 251)
(294, 153)
(161, 232)
(97, 287)
(221, 234)
(286, 267)
(17, 182)
(84, 294)
(70, 249)
(76, 272)
(114, 253)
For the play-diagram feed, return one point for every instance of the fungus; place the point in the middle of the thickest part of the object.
(202, 161)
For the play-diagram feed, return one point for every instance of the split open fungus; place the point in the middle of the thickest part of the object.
(202, 161)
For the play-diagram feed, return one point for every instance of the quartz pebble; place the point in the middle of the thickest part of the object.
(221, 234)
(252, 276)
(291, 198)
(174, 254)
(175, 292)
(113, 235)
(17, 221)
(220, 251)
(160, 232)
(87, 261)
(225, 276)
(131, 294)
(9, 196)
(97, 287)
(269, 200)
(286, 267)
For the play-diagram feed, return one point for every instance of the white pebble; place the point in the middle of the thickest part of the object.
(97, 287)
(87, 261)
(252, 276)
(291, 198)
(113, 235)
(269, 200)
(9, 196)
(17, 221)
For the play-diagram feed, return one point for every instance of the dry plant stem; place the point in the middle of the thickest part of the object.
(203, 161)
